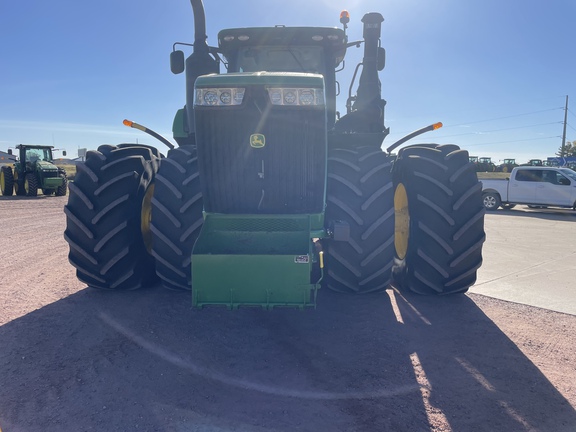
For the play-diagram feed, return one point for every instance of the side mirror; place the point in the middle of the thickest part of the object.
(63, 152)
(9, 151)
(177, 62)
(381, 61)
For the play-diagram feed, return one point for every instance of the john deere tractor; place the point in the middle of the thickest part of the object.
(271, 193)
(507, 165)
(33, 170)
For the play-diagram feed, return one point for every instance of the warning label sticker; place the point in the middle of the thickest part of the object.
(302, 259)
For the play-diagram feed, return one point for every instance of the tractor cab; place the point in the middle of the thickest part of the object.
(317, 50)
(32, 155)
(283, 49)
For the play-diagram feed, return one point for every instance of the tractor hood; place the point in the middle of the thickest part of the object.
(46, 166)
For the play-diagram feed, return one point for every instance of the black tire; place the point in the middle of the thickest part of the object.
(439, 220)
(62, 190)
(104, 222)
(6, 181)
(31, 185)
(176, 216)
(359, 192)
(491, 201)
(19, 185)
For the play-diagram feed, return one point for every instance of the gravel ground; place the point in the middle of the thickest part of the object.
(78, 359)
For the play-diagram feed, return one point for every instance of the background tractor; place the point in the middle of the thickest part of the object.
(507, 165)
(533, 162)
(485, 164)
(34, 169)
(271, 193)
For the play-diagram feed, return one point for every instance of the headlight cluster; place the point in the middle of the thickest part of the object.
(296, 96)
(219, 96)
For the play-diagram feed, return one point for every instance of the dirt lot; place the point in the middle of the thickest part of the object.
(77, 359)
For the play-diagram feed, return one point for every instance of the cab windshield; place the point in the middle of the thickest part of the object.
(38, 154)
(281, 59)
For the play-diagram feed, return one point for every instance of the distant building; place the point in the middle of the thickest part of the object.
(6, 158)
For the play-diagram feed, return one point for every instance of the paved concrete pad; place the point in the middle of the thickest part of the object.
(530, 258)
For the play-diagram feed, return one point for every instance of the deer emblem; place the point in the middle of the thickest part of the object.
(257, 140)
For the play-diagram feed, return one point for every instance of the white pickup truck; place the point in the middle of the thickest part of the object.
(531, 185)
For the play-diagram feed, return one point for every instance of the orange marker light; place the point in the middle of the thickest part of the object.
(131, 124)
(437, 125)
(344, 17)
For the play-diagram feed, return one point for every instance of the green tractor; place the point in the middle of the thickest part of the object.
(33, 170)
(485, 164)
(533, 162)
(507, 165)
(270, 193)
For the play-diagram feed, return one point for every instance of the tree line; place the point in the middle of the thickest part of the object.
(568, 150)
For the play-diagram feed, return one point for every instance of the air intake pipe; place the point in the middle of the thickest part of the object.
(368, 96)
(366, 114)
(200, 61)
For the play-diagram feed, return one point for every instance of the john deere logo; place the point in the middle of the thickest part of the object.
(257, 140)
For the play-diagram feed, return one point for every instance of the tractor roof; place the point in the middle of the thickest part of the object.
(20, 146)
(330, 38)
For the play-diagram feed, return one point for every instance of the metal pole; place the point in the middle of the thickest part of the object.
(563, 148)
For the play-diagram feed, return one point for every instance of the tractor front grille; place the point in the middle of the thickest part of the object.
(285, 176)
(50, 174)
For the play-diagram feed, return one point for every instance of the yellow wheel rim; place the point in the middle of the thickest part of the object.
(401, 221)
(26, 186)
(16, 181)
(2, 184)
(146, 217)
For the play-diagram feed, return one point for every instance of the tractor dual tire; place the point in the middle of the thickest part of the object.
(439, 218)
(105, 222)
(62, 190)
(19, 185)
(360, 193)
(176, 216)
(6, 181)
(31, 185)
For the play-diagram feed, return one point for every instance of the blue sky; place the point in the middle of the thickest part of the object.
(495, 72)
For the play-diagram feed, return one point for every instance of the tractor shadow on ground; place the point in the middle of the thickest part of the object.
(145, 360)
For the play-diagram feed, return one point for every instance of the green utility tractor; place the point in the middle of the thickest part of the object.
(533, 162)
(33, 170)
(485, 164)
(507, 165)
(271, 193)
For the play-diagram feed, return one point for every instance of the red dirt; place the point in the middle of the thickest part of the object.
(77, 359)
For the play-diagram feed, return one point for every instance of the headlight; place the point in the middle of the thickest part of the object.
(219, 96)
(296, 96)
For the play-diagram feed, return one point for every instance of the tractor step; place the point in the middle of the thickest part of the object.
(254, 260)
